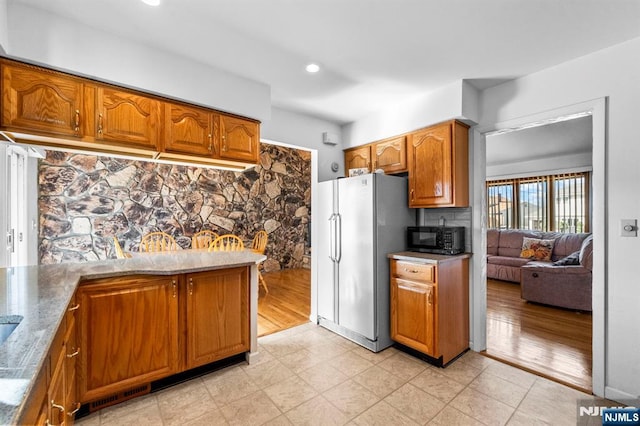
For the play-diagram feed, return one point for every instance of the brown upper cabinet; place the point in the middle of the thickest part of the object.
(239, 139)
(357, 158)
(390, 155)
(438, 166)
(190, 130)
(70, 111)
(41, 101)
(127, 118)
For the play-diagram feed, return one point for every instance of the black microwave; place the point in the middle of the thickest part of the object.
(436, 239)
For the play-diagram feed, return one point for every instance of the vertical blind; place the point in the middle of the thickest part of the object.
(543, 203)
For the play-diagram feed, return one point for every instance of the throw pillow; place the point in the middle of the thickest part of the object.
(572, 259)
(534, 248)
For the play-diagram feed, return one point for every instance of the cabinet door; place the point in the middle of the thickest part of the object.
(413, 315)
(357, 158)
(391, 155)
(430, 173)
(71, 401)
(127, 118)
(217, 315)
(41, 101)
(239, 139)
(56, 393)
(128, 333)
(188, 130)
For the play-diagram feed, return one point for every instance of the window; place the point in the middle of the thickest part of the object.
(542, 203)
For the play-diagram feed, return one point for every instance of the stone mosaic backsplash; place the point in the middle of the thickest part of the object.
(86, 200)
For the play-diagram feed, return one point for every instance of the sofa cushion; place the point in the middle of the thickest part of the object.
(551, 269)
(493, 239)
(586, 253)
(565, 243)
(507, 261)
(510, 244)
(535, 248)
(572, 259)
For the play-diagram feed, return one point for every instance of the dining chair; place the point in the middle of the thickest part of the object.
(120, 254)
(227, 242)
(203, 239)
(258, 245)
(157, 241)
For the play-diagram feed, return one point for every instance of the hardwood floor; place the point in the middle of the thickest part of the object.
(288, 302)
(551, 342)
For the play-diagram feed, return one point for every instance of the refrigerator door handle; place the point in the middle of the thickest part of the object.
(332, 231)
(339, 238)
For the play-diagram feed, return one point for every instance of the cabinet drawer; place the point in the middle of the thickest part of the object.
(413, 271)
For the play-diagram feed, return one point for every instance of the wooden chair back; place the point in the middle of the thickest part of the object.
(259, 243)
(203, 239)
(157, 241)
(227, 242)
(120, 254)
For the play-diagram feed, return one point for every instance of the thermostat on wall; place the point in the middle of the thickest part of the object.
(330, 138)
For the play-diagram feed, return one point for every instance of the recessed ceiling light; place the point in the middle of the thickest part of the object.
(313, 68)
(152, 2)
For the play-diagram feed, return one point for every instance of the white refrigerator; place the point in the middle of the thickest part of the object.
(361, 220)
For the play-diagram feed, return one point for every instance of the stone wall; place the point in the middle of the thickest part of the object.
(86, 200)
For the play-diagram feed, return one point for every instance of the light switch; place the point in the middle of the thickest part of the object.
(628, 228)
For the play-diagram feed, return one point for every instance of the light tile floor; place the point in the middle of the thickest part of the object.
(310, 376)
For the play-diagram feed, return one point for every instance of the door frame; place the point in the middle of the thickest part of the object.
(597, 109)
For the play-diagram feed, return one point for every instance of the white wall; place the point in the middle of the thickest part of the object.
(612, 73)
(4, 32)
(305, 131)
(456, 100)
(4, 197)
(541, 166)
(45, 38)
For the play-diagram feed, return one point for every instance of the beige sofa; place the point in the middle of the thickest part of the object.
(564, 281)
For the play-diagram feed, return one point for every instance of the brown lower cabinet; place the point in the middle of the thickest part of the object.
(54, 399)
(138, 329)
(430, 307)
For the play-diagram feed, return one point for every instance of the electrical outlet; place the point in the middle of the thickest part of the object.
(628, 228)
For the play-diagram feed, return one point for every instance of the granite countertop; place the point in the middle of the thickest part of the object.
(38, 297)
(413, 256)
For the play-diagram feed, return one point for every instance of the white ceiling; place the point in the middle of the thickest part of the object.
(372, 52)
(568, 137)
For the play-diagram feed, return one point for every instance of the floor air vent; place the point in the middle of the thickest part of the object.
(119, 397)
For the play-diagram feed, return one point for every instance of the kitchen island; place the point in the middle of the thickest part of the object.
(38, 298)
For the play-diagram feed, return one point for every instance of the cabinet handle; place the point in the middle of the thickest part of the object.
(210, 142)
(430, 297)
(411, 271)
(224, 143)
(74, 308)
(412, 195)
(99, 124)
(59, 407)
(74, 354)
(375, 165)
(175, 288)
(190, 286)
(76, 127)
(72, 413)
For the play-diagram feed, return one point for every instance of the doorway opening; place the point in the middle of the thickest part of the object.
(538, 184)
(597, 109)
(287, 303)
(19, 212)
